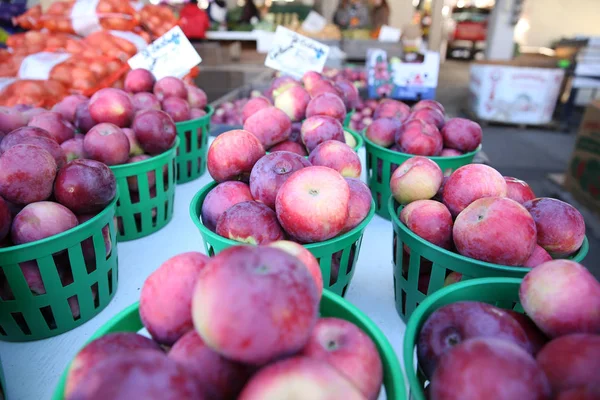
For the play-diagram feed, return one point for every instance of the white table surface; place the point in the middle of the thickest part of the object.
(32, 369)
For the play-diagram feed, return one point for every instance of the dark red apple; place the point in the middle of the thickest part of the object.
(111, 106)
(155, 131)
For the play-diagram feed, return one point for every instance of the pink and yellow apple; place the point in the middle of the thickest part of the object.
(232, 155)
(417, 178)
(430, 220)
(337, 155)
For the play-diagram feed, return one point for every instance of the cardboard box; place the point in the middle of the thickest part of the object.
(583, 174)
(519, 92)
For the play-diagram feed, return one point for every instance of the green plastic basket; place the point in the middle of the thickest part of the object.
(407, 267)
(348, 118)
(343, 249)
(148, 211)
(193, 144)
(501, 292)
(25, 316)
(382, 162)
(332, 305)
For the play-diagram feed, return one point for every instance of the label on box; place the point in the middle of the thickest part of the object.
(138, 41)
(172, 54)
(84, 17)
(314, 22)
(387, 34)
(39, 65)
(295, 54)
(4, 82)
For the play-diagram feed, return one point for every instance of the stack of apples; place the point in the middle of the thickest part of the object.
(43, 195)
(262, 197)
(267, 344)
(472, 350)
(483, 215)
(422, 130)
(363, 115)
(293, 110)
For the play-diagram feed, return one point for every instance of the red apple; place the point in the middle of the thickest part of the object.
(196, 113)
(450, 153)
(250, 222)
(196, 97)
(85, 186)
(145, 101)
(253, 106)
(111, 106)
(536, 337)
(294, 102)
(486, 368)
(37, 137)
(166, 297)
(539, 256)
(10, 119)
(270, 125)
(299, 201)
(73, 148)
(430, 220)
(338, 156)
(40, 220)
(270, 172)
(155, 131)
(134, 146)
(562, 297)
(307, 258)
(220, 199)
(286, 379)
(359, 205)
(310, 79)
(518, 190)
(318, 129)
(275, 311)
(350, 351)
(429, 104)
(472, 182)
(170, 87)
(53, 123)
(5, 219)
(67, 106)
(497, 230)
(560, 227)
(327, 104)
(389, 108)
(290, 146)
(462, 134)
(83, 120)
(139, 80)
(383, 131)
(417, 178)
(420, 138)
(430, 115)
(27, 173)
(107, 143)
(349, 92)
(325, 87)
(232, 155)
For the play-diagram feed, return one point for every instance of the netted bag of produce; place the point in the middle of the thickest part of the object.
(116, 44)
(83, 17)
(36, 41)
(79, 74)
(34, 93)
(158, 20)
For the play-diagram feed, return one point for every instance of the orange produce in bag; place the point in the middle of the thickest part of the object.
(31, 92)
(77, 73)
(36, 41)
(83, 17)
(116, 44)
(157, 19)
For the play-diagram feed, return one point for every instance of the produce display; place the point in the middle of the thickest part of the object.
(469, 349)
(203, 346)
(422, 130)
(31, 93)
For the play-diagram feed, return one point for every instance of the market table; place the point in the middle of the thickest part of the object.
(32, 369)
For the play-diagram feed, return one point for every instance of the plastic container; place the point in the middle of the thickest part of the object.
(501, 292)
(148, 210)
(340, 251)
(331, 306)
(75, 291)
(348, 119)
(193, 144)
(411, 288)
(382, 162)
(358, 138)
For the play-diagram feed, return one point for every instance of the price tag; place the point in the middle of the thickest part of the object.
(172, 54)
(388, 34)
(314, 22)
(295, 54)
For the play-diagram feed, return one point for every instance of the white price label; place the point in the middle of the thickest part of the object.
(295, 54)
(388, 34)
(314, 22)
(84, 17)
(172, 54)
(38, 65)
(138, 41)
